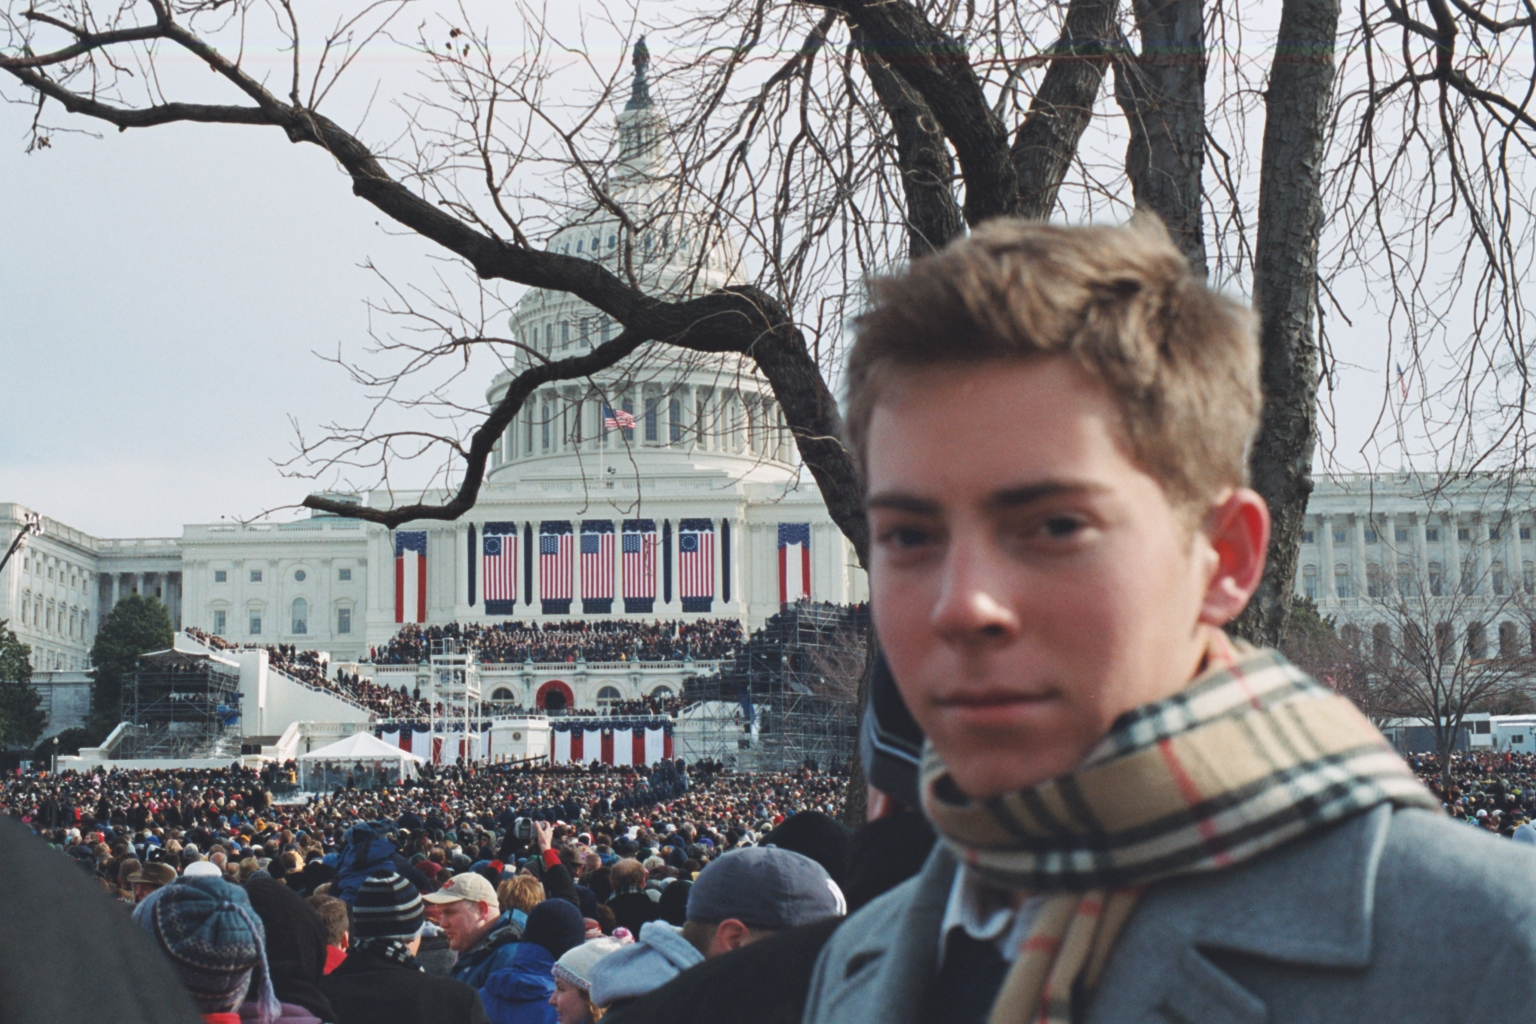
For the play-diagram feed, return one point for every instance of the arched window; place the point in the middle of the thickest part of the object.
(1350, 634)
(1407, 579)
(608, 695)
(1373, 585)
(1381, 641)
(1445, 641)
(1477, 640)
(501, 693)
(661, 692)
(300, 616)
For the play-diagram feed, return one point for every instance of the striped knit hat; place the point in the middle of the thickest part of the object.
(208, 930)
(387, 907)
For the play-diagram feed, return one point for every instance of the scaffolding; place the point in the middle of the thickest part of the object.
(182, 705)
(790, 697)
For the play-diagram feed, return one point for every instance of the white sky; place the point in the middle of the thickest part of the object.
(162, 292)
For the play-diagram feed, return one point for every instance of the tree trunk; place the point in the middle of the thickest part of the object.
(1285, 291)
(1162, 93)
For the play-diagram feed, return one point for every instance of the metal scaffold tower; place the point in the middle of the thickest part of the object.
(180, 704)
(790, 697)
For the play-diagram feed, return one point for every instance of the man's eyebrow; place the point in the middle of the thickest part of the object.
(903, 503)
(1013, 497)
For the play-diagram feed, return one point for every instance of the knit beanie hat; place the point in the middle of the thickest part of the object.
(387, 907)
(214, 940)
(556, 925)
(575, 967)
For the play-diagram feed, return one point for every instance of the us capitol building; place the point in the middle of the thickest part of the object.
(664, 488)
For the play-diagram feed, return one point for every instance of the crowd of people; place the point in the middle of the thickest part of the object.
(1491, 790)
(469, 873)
(518, 642)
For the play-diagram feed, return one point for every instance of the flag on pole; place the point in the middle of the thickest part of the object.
(794, 566)
(411, 575)
(616, 419)
(499, 554)
(1402, 381)
(696, 564)
(555, 564)
(639, 549)
(596, 566)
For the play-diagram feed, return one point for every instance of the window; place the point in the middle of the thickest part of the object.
(1517, 740)
(1373, 586)
(1528, 577)
(1493, 533)
(605, 330)
(1340, 537)
(652, 415)
(1436, 579)
(1509, 640)
(544, 427)
(1341, 581)
(343, 620)
(219, 619)
(1445, 641)
(1381, 641)
(1370, 535)
(255, 629)
(528, 430)
(501, 693)
(50, 572)
(1308, 536)
(613, 241)
(1496, 577)
(1407, 579)
(1482, 728)
(549, 337)
(1432, 533)
(1525, 533)
(1400, 535)
(300, 616)
(1477, 641)
(1350, 634)
(300, 576)
(608, 695)
(220, 576)
(565, 333)
(1463, 533)
(1309, 583)
(675, 421)
(579, 243)
(255, 575)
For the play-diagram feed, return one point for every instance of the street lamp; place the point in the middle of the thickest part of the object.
(31, 522)
(55, 769)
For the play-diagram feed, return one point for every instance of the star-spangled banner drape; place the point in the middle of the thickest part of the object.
(500, 567)
(639, 553)
(596, 566)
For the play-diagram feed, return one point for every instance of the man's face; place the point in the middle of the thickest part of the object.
(465, 922)
(1030, 583)
(141, 890)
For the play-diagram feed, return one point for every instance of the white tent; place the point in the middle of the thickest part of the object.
(360, 760)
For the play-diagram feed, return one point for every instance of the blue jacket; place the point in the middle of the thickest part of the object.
(519, 992)
(491, 954)
(358, 860)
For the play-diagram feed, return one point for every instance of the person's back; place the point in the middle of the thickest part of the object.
(1138, 819)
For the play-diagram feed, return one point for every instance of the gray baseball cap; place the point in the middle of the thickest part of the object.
(765, 887)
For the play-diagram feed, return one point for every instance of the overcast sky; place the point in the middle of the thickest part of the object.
(161, 294)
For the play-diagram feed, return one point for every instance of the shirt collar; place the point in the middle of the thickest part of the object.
(982, 910)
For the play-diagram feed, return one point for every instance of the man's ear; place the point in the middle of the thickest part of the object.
(730, 934)
(1237, 528)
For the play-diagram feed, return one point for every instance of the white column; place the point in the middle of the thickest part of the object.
(1328, 596)
(117, 584)
(1357, 561)
(1482, 546)
(1416, 525)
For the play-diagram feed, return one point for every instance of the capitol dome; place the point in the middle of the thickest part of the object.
(671, 410)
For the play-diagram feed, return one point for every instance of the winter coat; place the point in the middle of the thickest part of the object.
(362, 857)
(634, 910)
(371, 989)
(661, 955)
(519, 992)
(491, 954)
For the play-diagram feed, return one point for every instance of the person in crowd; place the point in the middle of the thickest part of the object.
(519, 993)
(149, 878)
(210, 934)
(333, 918)
(380, 981)
(572, 995)
(742, 897)
(478, 931)
(295, 946)
(1138, 818)
(632, 907)
(518, 895)
(818, 836)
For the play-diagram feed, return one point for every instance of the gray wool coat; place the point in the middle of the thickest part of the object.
(1393, 916)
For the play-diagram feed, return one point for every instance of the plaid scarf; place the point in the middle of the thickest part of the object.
(1250, 756)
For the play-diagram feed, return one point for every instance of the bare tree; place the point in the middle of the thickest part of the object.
(829, 140)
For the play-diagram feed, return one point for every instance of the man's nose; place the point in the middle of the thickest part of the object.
(973, 605)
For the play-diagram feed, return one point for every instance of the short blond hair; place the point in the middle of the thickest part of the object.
(520, 892)
(1180, 361)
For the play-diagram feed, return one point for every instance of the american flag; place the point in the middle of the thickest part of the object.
(614, 419)
(794, 574)
(696, 563)
(500, 566)
(555, 566)
(597, 565)
(639, 547)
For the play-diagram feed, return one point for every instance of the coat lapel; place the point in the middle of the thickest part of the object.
(1306, 904)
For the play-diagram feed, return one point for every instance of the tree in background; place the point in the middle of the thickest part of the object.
(134, 626)
(21, 714)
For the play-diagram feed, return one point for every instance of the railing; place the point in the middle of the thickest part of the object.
(600, 666)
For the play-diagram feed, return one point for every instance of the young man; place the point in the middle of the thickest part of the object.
(1140, 819)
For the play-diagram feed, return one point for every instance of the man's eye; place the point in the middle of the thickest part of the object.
(1061, 526)
(905, 537)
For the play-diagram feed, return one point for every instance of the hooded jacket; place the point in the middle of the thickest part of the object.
(363, 855)
(519, 992)
(661, 955)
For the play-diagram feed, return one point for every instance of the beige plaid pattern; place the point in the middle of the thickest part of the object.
(1246, 758)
